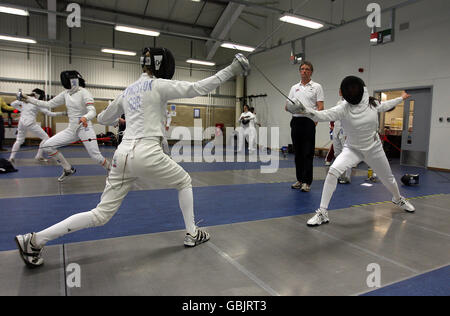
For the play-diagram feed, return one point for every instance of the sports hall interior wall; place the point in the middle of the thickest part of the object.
(341, 52)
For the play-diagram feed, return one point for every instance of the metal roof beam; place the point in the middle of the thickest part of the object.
(223, 27)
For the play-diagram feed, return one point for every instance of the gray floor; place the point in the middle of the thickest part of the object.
(279, 256)
(30, 187)
(270, 257)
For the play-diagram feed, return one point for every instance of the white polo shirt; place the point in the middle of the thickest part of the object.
(308, 94)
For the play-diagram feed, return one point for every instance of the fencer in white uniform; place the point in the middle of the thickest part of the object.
(80, 110)
(359, 118)
(27, 123)
(166, 126)
(140, 153)
(248, 130)
(339, 138)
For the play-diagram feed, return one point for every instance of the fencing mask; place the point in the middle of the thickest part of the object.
(39, 94)
(71, 79)
(352, 89)
(160, 61)
(410, 179)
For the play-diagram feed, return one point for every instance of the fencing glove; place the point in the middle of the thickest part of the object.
(295, 108)
(240, 64)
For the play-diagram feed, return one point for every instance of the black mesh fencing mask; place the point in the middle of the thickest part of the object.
(352, 89)
(39, 94)
(160, 61)
(71, 79)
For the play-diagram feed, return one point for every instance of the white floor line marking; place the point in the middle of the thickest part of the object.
(408, 223)
(433, 206)
(367, 251)
(250, 275)
(62, 278)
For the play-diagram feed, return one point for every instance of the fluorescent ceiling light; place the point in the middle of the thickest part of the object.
(289, 18)
(15, 11)
(136, 30)
(118, 52)
(17, 39)
(200, 62)
(238, 47)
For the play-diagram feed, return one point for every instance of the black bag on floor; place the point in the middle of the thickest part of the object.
(6, 166)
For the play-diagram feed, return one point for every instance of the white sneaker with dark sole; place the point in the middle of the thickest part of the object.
(405, 205)
(320, 218)
(29, 254)
(66, 173)
(199, 238)
(297, 185)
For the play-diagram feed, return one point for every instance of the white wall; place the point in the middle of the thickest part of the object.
(418, 57)
(16, 63)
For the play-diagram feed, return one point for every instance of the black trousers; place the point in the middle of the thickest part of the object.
(303, 134)
(2, 131)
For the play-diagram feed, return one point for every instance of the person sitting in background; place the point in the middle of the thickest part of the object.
(5, 107)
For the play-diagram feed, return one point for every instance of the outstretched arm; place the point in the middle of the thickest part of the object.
(387, 105)
(50, 113)
(5, 106)
(171, 89)
(110, 116)
(334, 114)
(53, 103)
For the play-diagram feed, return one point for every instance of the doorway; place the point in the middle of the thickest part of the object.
(407, 126)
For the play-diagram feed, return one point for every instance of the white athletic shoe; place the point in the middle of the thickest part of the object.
(320, 218)
(405, 205)
(40, 159)
(306, 187)
(29, 254)
(297, 185)
(66, 173)
(192, 241)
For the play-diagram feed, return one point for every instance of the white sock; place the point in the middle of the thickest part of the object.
(328, 189)
(69, 225)
(14, 150)
(62, 161)
(186, 200)
(40, 151)
(348, 173)
(391, 185)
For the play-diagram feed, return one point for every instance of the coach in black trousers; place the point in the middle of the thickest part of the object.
(303, 129)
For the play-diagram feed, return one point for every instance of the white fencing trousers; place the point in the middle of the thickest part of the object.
(22, 130)
(70, 135)
(338, 146)
(375, 158)
(249, 134)
(133, 159)
(165, 143)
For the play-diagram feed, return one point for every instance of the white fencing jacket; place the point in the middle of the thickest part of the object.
(79, 103)
(29, 111)
(360, 122)
(249, 116)
(144, 103)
